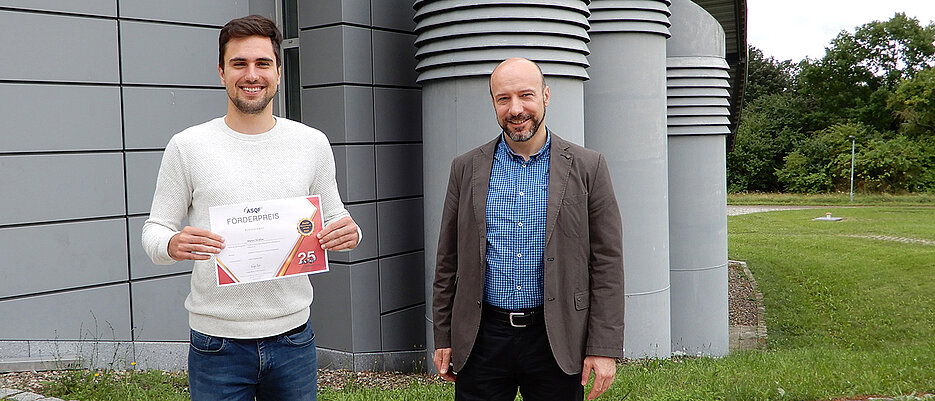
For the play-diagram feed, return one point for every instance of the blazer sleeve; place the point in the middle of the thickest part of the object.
(605, 323)
(446, 262)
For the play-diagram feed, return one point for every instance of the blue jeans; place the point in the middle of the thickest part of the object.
(283, 367)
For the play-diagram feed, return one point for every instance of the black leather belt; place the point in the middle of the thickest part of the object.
(296, 330)
(523, 318)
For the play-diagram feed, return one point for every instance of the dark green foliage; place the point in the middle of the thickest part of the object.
(876, 83)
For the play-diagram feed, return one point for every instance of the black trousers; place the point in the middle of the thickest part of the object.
(505, 358)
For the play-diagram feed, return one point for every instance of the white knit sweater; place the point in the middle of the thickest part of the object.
(210, 165)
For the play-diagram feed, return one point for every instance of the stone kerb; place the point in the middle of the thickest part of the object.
(461, 38)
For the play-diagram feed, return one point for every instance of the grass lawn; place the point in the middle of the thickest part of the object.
(850, 311)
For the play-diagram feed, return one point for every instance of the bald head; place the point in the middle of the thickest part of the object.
(516, 66)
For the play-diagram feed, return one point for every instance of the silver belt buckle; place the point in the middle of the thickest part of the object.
(512, 314)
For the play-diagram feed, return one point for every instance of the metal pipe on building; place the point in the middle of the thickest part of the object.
(698, 123)
(459, 43)
(625, 118)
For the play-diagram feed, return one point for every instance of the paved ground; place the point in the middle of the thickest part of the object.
(734, 210)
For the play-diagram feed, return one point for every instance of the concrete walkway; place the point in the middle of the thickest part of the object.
(19, 395)
(735, 210)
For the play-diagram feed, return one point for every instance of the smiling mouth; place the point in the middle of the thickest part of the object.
(252, 90)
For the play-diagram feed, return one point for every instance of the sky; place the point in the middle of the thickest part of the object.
(794, 29)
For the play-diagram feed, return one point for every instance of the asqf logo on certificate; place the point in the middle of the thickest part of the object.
(268, 240)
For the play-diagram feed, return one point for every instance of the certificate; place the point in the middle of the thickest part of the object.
(268, 240)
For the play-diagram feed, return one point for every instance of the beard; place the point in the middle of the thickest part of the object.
(522, 136)
(251, 107)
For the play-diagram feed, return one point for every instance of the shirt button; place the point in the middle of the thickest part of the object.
(520, 224)
(519, 287)
(519, 255)
(524, 164)
(520, 193)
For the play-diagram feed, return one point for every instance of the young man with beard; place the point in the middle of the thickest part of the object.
(528, 288)
(254, 340)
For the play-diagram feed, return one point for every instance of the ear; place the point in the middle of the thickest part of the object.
(221, 73)
(545, 96)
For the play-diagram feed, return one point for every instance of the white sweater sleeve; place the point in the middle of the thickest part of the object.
(171, 202)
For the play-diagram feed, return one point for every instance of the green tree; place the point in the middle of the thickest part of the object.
(766, 75)
(821, 163)
(859, 71)
(913, 103)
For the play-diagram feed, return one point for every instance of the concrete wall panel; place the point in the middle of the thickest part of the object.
(72, 49)
(142, 170)
(346, 310)
(365, 215)
(397, 114)
(84, 118)
(153, 115)
(59, 256)
(331, 318)
(402, 281)
(396, 55)
(58, 187)
(209, 12)
(399, 170)
(169, 54)
(314, 13)
(393, 14)
(398, 226)
(140, 264)
(404, 330)
(334, 55)
(158, 309)
(92, 7)
(101, 314)
(355, 172)
(344, 113)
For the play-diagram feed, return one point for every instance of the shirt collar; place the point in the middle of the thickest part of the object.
(544, 150)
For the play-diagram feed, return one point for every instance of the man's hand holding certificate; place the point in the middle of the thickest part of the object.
(268, 239)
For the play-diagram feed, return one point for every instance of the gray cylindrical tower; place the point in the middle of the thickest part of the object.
(625, 119)
(459, 44)
(698, 123)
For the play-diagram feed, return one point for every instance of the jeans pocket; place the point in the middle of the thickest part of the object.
(302, 338)
(205, 343)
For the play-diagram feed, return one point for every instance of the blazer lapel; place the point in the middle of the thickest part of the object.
(560, 159)
(480, 182)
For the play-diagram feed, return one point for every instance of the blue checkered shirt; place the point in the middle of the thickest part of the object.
(516, 208)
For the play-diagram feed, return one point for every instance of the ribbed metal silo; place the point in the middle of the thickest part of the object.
(459, 43)
(625, 119)
(698, 122)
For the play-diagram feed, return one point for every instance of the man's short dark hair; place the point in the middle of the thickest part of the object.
(251, 25)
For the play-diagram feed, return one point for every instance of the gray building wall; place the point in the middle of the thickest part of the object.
(96, 91)
(359, 86)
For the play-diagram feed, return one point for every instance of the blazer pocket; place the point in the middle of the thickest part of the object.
(573, 217)
(582, 300)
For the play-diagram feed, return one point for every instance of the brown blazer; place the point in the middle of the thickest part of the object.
(583, 259)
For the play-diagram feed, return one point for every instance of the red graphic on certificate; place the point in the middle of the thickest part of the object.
(269, 240)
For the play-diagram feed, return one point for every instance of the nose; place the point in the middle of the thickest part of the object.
(516, 107)
(251, 73)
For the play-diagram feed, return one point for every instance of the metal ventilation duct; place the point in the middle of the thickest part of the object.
(698, 122)
(625, 109)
